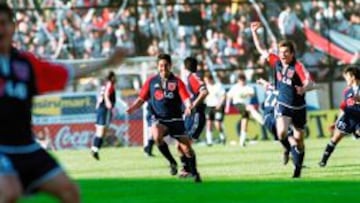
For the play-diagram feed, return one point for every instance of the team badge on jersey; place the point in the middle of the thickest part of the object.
(171, 86)
(159, 94)
(290, 73)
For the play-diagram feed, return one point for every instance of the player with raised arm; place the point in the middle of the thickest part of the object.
(166, 94)
(292, 81)
(24, 166)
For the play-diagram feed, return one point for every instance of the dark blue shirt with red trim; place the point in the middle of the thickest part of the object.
(22, 76)
(165, 97)
(286, 80)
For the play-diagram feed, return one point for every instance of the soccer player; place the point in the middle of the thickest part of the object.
(214, 111)
(194, 123)
(349, 116)
(104, 106)
(240, 95)
(292, 81)
(24, 166)
(166, 94)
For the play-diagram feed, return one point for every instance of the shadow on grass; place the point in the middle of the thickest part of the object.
(180, 191)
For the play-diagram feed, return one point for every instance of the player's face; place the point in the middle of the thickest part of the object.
(7, 28)
(285, 55)
(164, 68)
(349, 79)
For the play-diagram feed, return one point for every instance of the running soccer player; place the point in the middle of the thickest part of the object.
(166, 94)
(104, 106)
(349, 116)
(24, 166)
(195, 122)
(292, 81)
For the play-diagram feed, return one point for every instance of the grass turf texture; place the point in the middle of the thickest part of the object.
(230, 174)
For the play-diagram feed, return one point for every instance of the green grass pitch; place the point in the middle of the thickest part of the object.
(230, 174)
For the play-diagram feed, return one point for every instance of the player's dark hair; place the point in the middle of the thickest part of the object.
(166, 57)
(242, 77)
(352, 70)
(289, 44)
(4, 8)
(191, 64)
(110, 75)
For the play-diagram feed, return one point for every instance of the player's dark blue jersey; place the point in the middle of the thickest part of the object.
(165, 97)
(287, 78)
(23, 76)
(349, 105)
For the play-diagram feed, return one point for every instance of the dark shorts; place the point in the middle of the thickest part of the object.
(103, 116)
(298, 116)
(175, 128)
(348, 124)
(195, 124)
(213, 114)
(33, 168)
(242, 110)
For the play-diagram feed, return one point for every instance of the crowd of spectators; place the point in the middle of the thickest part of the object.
(84, 29)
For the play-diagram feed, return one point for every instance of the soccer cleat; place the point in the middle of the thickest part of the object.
(322, 163)
(286, 157)
(173, 169)
(147, 152)
(297, 172)
(197, 178)
(95, 155)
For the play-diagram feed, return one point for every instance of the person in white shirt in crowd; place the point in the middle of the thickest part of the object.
(215, 102)
(240, 95)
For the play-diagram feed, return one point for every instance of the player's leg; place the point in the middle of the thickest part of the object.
(244, 127)
(185, 145)
(210, 118)
(159, 131)
(298, 149)
(330, 147)
(219, 125)
(10, 187)
(102, 121)
(150, 143)
(344, 125)
(61, 187)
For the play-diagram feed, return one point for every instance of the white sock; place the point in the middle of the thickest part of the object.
(208, 137)
(242, 138)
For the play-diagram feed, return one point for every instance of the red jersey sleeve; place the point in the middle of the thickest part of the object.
(195, 83)
(145, 90)
(302, 72)
(272, 59)
(184, 94)
(49, 76)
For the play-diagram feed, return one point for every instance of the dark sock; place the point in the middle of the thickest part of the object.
(185, 163)
(328, 151)
(297, 155)
(285, 143)
(150, 145)
(298, 158)
(97, 142)
(164, 149)
(192, 164)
